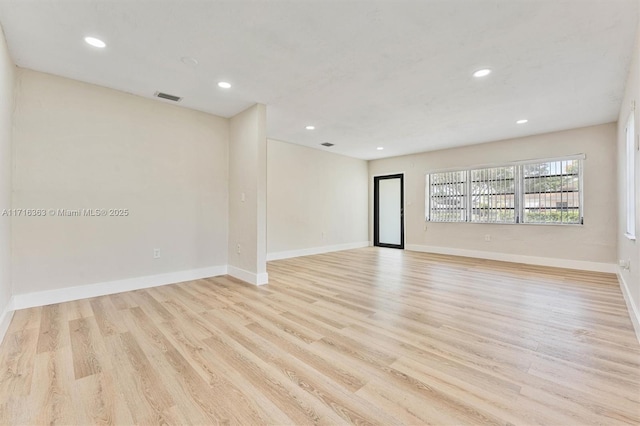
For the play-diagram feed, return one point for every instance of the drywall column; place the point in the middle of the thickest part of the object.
(248, 195)
(7, 77)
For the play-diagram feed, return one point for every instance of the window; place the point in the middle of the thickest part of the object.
(540, 192)
(631, 177)
(551, 192)
(448, 196)
(493, 195)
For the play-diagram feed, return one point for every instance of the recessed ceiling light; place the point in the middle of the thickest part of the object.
(224, 85)
(482, 73)
(380, 148)
(522, 121)
(95, 42)
(310, 127)
(188, 60)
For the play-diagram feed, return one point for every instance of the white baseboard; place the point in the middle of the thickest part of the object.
(517, 258)
(246, 276)
(42, 298)
(634, 313)
(5, 319)
(315, 250)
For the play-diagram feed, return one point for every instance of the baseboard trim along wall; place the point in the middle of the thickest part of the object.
(42, 298)
(634, 314)
(5, 319)
(517, 258)
(315, 250)
(249, 277)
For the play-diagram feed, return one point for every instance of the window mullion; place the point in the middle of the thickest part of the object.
(518, 198)
(468, 197)
(580, 192)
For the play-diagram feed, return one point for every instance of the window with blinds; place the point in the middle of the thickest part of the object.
(447, 201)
(551, 192)
(540, 192)
(493, 195)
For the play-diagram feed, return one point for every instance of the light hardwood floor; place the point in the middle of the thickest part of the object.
(376, 336)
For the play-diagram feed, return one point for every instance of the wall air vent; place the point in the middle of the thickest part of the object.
(167, 96)
(327, 144)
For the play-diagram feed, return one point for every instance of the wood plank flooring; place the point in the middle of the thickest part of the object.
(367, 336)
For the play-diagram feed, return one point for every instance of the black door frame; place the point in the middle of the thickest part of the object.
(376, 215)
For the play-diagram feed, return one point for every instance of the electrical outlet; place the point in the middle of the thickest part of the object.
(238, 249)
(156, 253)
(624, 264)
(487, 238)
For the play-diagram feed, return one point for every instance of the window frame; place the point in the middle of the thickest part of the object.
(515, 193)
(518, 190)
(630, 173)
(580, 190)
(464, 210)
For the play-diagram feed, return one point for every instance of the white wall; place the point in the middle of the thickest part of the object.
(316, 201)
(7, 74)
(591, 245)
(79, 146)
(247, 190)
(629, 250)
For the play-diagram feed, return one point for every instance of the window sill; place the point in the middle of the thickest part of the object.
(630, 237)
(512, 223)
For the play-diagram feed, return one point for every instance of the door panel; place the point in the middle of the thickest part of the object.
(388, 211)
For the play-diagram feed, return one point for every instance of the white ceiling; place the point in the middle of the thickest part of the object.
(388, 73)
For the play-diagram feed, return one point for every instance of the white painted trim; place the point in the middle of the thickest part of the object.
(315, 250)
(249, 277)
(517, 258)
(5, 319)
(42, 298)
(634, 313)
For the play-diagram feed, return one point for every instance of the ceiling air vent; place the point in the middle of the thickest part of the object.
(327, 144)
(168, 96)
